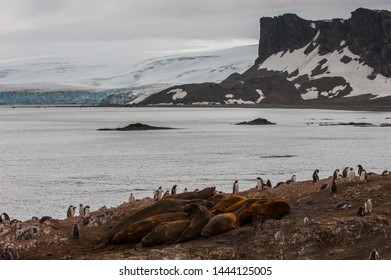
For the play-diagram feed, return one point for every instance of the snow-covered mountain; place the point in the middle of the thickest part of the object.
(302, 62)
(57, 80)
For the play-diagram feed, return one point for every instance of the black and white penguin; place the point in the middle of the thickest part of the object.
(360, 169)
(235, 188)
(44, 219)
(324, 186)
(260, 184)
(386, 173)
(185, 190)
(269, 184)
(81, 210)
(345, 172)
(279, 184)
(87, 211)
(374, 255)
(69, 211)
(333, 188)
(361, 210)
(173, 189)
(343, 205)
(363, 176)
(131, 198)
(6, 255)
(75, 231)
(166, 193)
(291, 180)
(336, 174)
(158, 194)
(368, 206)
(351, 175)
(5, 218)
(315, 176)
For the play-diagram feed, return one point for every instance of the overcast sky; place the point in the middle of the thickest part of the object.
(47, 27)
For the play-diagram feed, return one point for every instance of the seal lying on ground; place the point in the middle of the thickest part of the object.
(262, 210)
(202, 194)
(200, 217)
(164, 233)
(135, 232)
(163, 206)
(220, 206)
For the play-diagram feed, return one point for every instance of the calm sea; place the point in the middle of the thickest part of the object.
(53, 157)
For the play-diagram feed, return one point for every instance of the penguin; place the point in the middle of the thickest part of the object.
(368, 205)
(166, 193)
(81, 210)
(361, 210)
(279, 184)
(360, 169)
(131, 198)
(158, 194)
(291, 180)
(351, 175)
(75, 231)
(343, 205)
(86, 220)
(336, 174)
(260, 184)
(333, 188)
(345, 172)
(185, 190)
(363, 176)
(324, 186)
(315, 176)
(87, 211)
(374, 255)
(386, 173)
(5, 218)
(173, 189)
(235, 188)
(6, 255)
(70, 211)
(269, 184)
(44, 219)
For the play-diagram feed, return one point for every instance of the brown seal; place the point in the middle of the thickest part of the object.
(160, 207)
(200, 216)
(252, 209)
(220, 206)
(202, 194)
(135, 232)
(164, 233)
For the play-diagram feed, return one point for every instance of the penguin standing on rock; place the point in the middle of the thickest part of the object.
(374, 255)
(75, 231)
(351, 175)
(345, 172)
(269, 184)
(87, 211)
(81, 210)
(71, 211)
(235, 188)
(315, 176)
(131, 198)
(336, 174)
(5, 218)
(173, 190)
(333, 188)
(158, 194)
(360, 169)
(260, 184)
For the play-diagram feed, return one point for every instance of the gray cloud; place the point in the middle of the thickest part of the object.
(40, 21)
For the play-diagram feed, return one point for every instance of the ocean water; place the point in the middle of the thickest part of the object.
(53, 157)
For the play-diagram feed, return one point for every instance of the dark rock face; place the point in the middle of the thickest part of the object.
(257, 121)
(283, 33)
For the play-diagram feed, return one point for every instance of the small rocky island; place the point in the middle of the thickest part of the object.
(135, 127)
(258, 121)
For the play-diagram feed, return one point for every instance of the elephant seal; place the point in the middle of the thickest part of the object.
(202, 194)
(251, 210)
(164, 233)
(225, 221)
(220, 206)
(160, 207)
(135, 232)
(200, 216)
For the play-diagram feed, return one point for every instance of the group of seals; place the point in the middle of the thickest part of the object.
(187, 216)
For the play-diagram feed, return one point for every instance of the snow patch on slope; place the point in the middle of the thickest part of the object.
(355, 73)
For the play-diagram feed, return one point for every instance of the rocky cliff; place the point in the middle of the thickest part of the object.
(302, 62)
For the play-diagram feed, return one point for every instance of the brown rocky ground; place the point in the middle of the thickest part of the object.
(331, 233)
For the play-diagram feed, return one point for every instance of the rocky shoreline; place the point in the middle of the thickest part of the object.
(314, 229)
